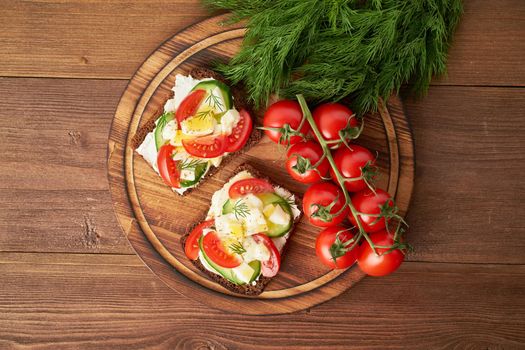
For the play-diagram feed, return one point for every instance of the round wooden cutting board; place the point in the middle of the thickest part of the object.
(154, 218)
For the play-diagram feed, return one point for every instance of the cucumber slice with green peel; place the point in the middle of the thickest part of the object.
(200, 170)
(256, 266)
(209, 86)
(223, 271)
(228, 206)
(275, 230)
(228, 273)
(161, 123)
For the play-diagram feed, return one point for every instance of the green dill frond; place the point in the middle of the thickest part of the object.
(240, 209)
(190, 163)
(330, 50)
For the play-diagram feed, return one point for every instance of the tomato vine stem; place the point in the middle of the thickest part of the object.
(307, 115)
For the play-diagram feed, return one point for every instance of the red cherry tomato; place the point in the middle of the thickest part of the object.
(206, 147)
(324, 194)
(281, 113)
(252, 185)
(331, 118)
(326, 240)
(379, 264)
(270, 267)
(214, 249)
(191, 248)
(351, 163)
(312, 152)
(189, 106)
(368, 202)
(240, 134)
(168, 169)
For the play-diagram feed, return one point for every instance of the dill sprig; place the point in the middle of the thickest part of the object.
(189, 163)
(214, 101)
(203, 114)
(237, 248)
(240, 209)
(330, 50)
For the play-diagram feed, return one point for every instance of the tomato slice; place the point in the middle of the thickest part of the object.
(168, 167)
(189, 106)
(237, 139)
(206, 147)
(246, 186)
(191, 248)
(214, 250)
(271, 266)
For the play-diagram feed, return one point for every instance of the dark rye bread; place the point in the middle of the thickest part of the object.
(239, 101)
(247, 289)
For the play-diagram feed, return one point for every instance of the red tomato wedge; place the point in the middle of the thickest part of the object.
(206, 147)
(240, 134)
(168, 167)
(246, 186)
(191, 248)
(189, 106)
(214, 250)
(270, 267)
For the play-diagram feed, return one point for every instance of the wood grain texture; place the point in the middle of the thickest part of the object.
(109, 39)
(60, 185)
(55, 301)
(468, 203)
(85, 108)
(155, 219)
(103, 301)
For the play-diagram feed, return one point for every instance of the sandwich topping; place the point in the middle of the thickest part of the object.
(247, 226)
(200, 125)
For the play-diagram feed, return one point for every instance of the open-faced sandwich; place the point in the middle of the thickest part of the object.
(202, 122)
(240, 242)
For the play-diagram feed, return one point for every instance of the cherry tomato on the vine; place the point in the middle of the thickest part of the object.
(302, 157)
(379, 264)
(354, 163)
(327, 248)
(321, 203)
(287, 115)
(368, 202)
(333, 119)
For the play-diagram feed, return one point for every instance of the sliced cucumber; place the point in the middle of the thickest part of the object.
(256, 266)
(200, 170)
(228, 273)
(275, 230)
(228, 206)
(210, 85)
(161, 123)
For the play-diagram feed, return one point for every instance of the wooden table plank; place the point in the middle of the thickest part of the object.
(465, 173)
(63, 301)
(470, 160)
(54, 191)
(87, 38)
(109, 39)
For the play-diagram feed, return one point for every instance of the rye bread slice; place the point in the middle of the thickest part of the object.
(247, 289)
(240, 102)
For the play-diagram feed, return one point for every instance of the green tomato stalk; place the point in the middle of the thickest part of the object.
(340, 179)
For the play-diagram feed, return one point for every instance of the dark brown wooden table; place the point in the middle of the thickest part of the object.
(69, 279)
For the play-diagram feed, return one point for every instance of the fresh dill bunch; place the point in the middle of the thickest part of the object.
(330, 50)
